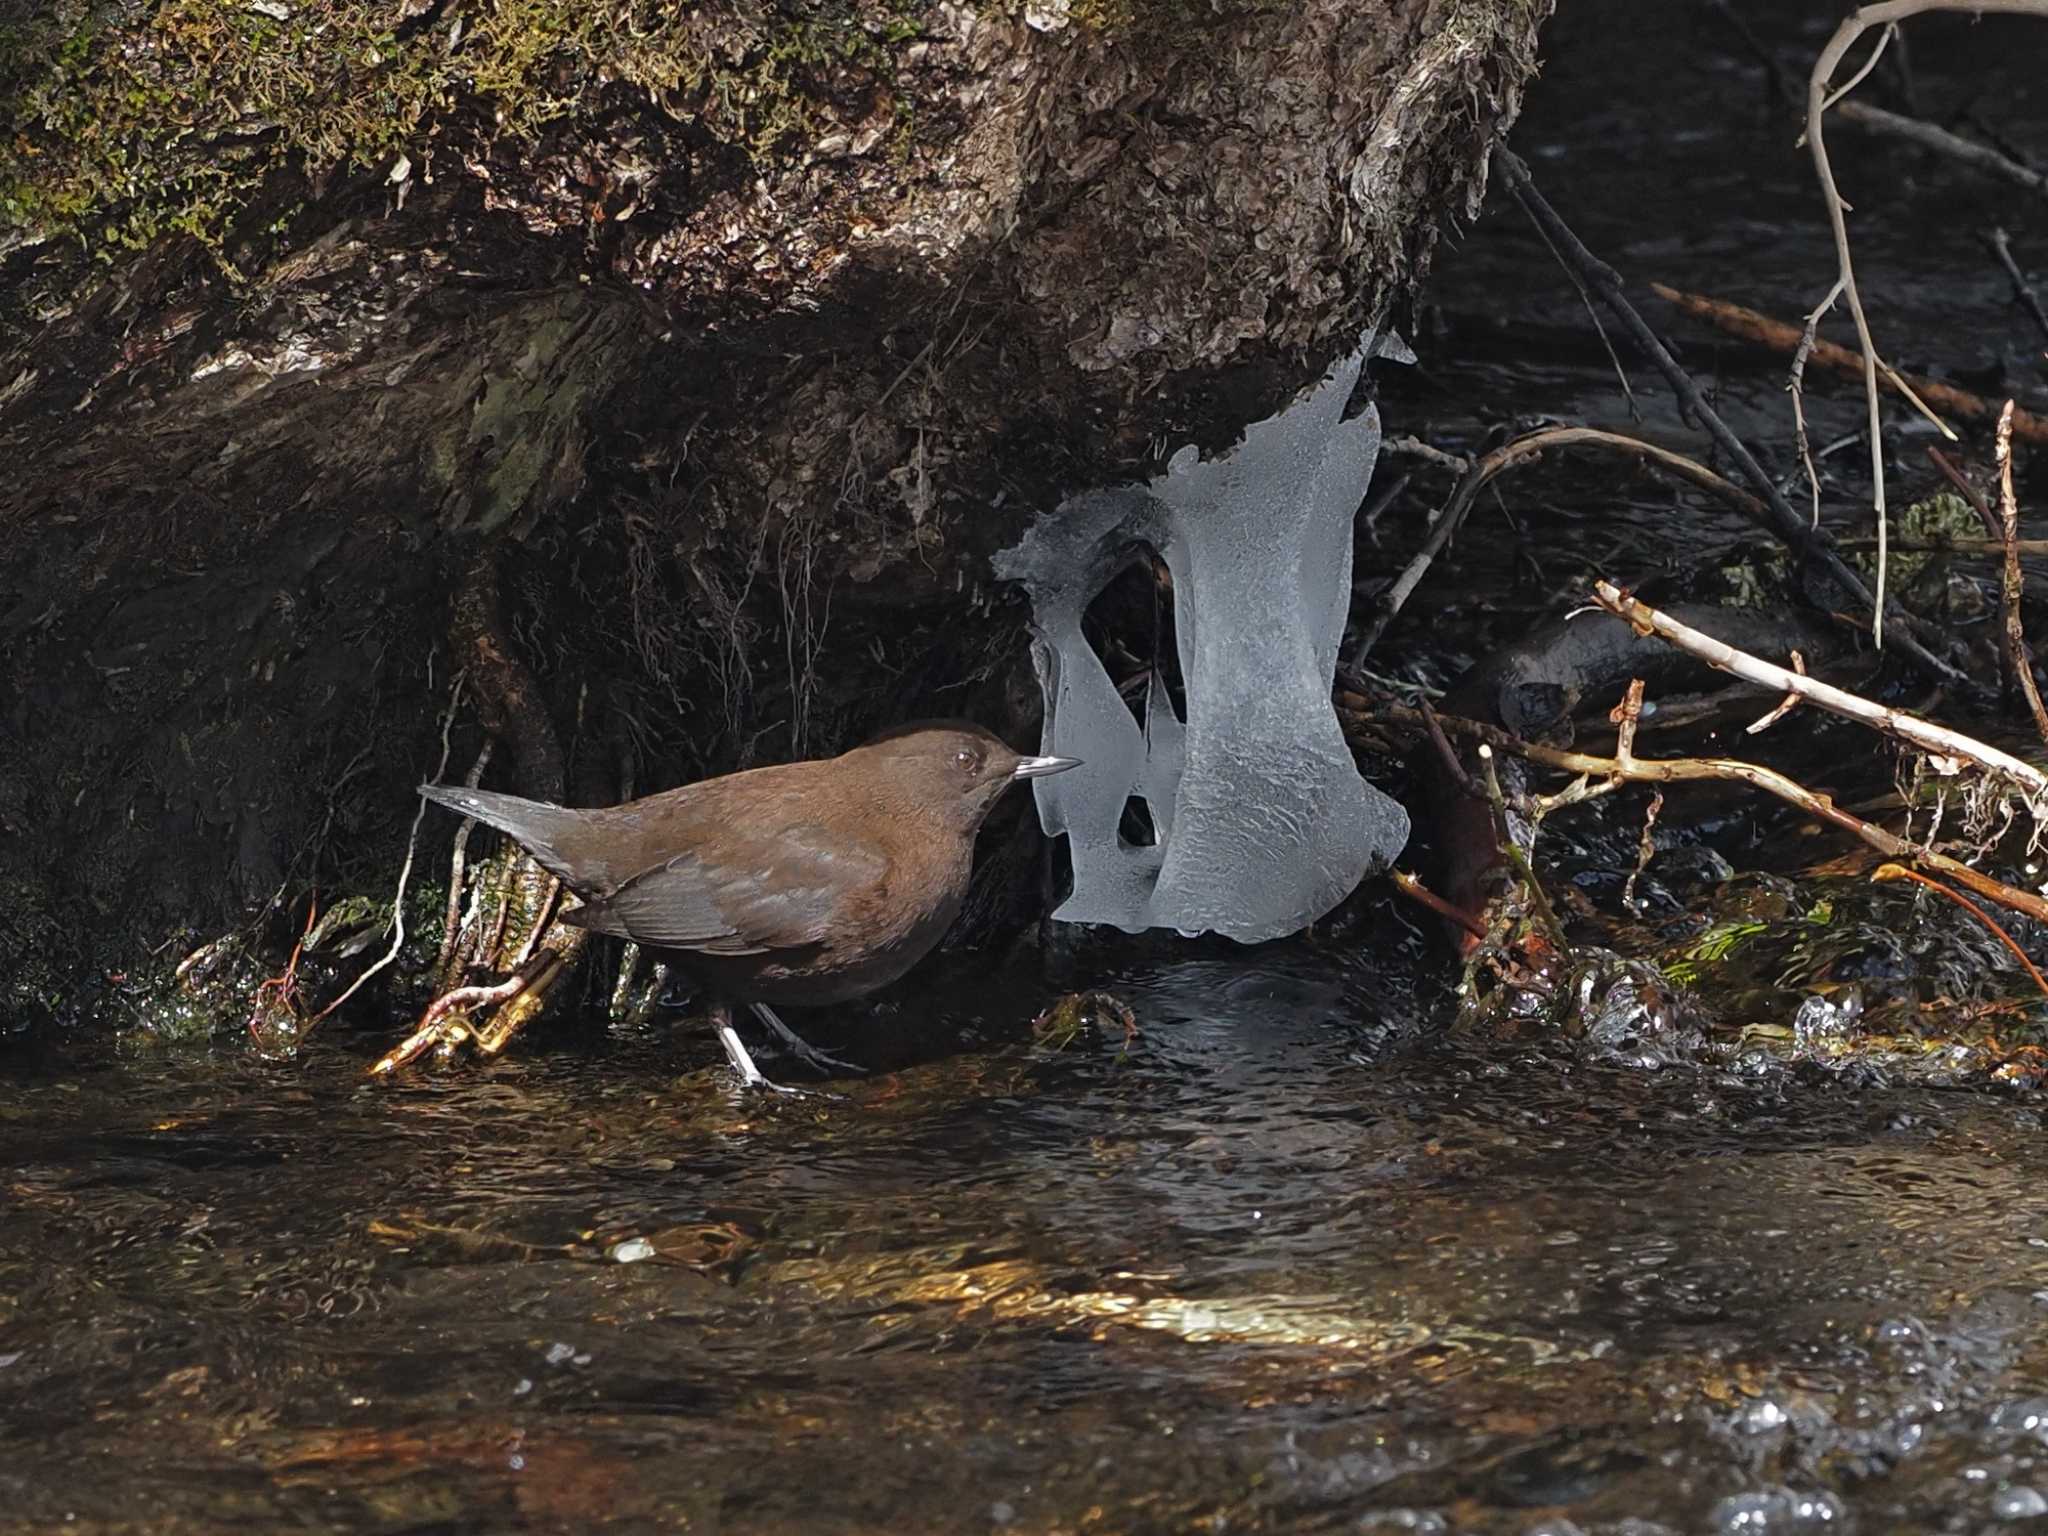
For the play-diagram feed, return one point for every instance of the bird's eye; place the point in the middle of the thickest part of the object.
(965, 759)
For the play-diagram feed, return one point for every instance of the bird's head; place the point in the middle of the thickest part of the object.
(954, 767)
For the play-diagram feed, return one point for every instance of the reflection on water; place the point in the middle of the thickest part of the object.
(1263, 1269)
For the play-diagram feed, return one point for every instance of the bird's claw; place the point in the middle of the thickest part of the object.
(823, 1062)
(751, 1076)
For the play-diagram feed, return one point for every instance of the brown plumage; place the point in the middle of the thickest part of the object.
(808, 883)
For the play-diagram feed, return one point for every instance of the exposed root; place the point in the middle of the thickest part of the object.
(412, 843)
(276, 1020)
(457, 867)
(447, 1022)
(521, 936)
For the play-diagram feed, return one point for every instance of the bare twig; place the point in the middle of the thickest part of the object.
(2001, 247)
(1795, 382)
(1942, 544)
(1625, 717)
(1416, 448)
(1507, 456)
(1816, 105)
(1423, 896)
(1635, 413)
(2015, 583)
(1451, 763)
(1888, 15)
(1786, 523)
(1516, 855)
(1911, 729)
(1841, 92)
(1782, 708)
(1967, 491)
(405, 870)
(1376, 507)
(1646, 849)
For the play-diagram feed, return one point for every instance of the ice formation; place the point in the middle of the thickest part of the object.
(1263, 822)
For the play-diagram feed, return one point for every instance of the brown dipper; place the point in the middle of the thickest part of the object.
(808, 883)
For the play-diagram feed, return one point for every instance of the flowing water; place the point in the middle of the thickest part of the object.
(1291, 1259)
(1259, 1269)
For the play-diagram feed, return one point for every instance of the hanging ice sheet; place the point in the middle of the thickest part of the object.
(1263, 823)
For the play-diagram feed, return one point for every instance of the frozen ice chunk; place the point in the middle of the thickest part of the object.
(1263, 822)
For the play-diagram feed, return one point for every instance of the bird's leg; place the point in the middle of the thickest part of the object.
(750, 1075)
(797, 1045)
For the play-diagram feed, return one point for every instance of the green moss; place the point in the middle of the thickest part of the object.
(171, 115)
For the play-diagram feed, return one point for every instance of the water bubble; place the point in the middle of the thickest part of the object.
(1762, 1416)
(557, 1353)
(2018, 1503)
(2026, 1416)
(1776, 1509)
(1822, 1019)
(1424, 1522)
(631, 1251)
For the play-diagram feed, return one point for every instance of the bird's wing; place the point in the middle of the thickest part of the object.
(782, 894)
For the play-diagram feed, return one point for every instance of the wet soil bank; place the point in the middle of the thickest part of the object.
(736, 401)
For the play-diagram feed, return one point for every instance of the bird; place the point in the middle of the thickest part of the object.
(806, 883)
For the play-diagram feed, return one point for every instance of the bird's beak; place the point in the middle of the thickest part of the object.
(1039, 767)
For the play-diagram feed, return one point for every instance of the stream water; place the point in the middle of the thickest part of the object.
(1289, 1260)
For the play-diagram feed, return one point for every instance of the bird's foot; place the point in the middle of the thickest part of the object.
(750, 1076)
(823, 1062)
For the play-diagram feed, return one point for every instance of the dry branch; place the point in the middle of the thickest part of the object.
(1748, 324)
(1911, 729)
(1730, 770)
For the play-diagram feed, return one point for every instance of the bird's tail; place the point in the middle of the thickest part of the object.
(546, 831)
